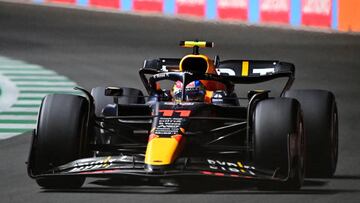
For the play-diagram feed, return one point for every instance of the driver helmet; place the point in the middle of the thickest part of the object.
(194, 91)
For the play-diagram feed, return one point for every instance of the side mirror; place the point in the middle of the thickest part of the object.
(114, 91)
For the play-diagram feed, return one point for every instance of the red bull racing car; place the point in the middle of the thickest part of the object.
(196, 128)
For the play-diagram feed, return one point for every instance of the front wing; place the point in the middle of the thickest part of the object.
(134, 166)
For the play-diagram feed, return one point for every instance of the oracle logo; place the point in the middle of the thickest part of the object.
(275, 5)
(232, 3)
(225, 71)
(191, 2)
(317, 6)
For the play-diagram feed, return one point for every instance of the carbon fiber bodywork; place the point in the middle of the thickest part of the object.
(219, 138)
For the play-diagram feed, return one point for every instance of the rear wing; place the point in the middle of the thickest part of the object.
(162, 65)
(245, 71)
(234, 71)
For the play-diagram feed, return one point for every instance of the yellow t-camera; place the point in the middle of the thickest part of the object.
(196, 45)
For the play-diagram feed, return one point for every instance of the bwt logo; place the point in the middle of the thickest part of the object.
(191, 2)
(232, 3)
(275, 5)
(322, 7)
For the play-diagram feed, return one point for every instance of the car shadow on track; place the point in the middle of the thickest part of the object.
(347, 177)
(194, 187)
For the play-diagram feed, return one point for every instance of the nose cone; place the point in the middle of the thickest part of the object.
(163, 150)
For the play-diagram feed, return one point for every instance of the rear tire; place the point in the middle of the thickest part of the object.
(279, 142)
(60, 138)
(321, 128)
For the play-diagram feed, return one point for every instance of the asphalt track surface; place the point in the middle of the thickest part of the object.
(94, 49)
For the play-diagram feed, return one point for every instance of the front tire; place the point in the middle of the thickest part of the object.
(61, 137)
(279, 142)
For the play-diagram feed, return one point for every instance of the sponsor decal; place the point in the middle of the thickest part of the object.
(227, 175)
(187, 104)
(181, 104)
(148, 5)
(225, 71)
(191, 2)
(178, 84)
(275, 11)
(169, 103)
(264, 71)
(316, 12)
(100, 163)
(175, 113)
(230, 167)
(63, 1)
(161, 75)
(168, 126)
(233, 9)
(105, 163)
(322, 7)
(171, 121)
(191, 7)
(102, 171)
(105, 3)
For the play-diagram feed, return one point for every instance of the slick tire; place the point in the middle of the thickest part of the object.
(321, 128)
(279, 142)
(131, 96)
(60, 138)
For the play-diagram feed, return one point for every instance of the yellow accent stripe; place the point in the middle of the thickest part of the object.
(106, 162)
(182, 130)
(245, 68)
(189, 44)
(241, 167)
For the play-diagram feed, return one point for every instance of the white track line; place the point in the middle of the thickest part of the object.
(45, 83)
(29, 72)
(28, 102)
(46, 89)
(4, 136)
(30, 83)
(19, 66)
(23, 109)
(17, 117)
(30, 95)
(17, 126)
(9, 93)
(40, 77)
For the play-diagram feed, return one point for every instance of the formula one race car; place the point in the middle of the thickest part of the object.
(197, 128)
